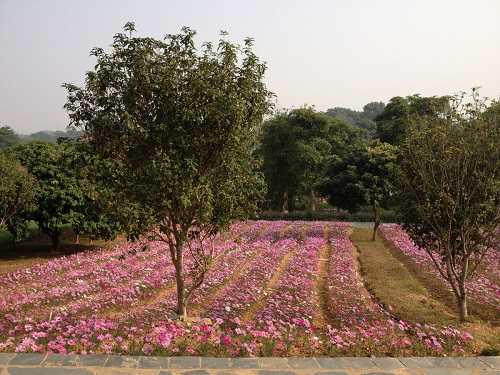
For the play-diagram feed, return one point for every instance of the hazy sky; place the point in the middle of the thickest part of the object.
(326, 53)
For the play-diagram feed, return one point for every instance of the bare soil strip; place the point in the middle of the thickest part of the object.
(325, 314)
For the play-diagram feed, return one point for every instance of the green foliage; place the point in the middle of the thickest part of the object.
(17, 190)
(363, 177)
(57, 190)
(362, 120)
(174, 128)
(399, 113)
(8, 138)
(449, 188)
(295, 147)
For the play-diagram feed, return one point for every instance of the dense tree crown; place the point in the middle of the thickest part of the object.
(449, 189)
(400, 112)
(8, 138)
(295, 147)
(362, 177)
(17, 190)
(362, 120)
(176, 128)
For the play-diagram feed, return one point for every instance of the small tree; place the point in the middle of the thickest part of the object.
(363, 177)
(175, 128)
(57, 190)
(17, 190)
(449, 190)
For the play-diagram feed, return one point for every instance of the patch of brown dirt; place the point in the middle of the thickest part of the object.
(325, 314)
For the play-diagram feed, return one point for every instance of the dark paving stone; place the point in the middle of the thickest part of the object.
(276, 372)
(298, 363)
(153, 362)
(6, 357)
(92, 360)
(273, 363)
(493, 362)
(184, 362)
(238, 363)
(415, 362)
(387, 363)
(60, 360)
(443, 362)
(165, 373)
(468, 362)
(122, 362)
(331, 363)
(330, 373)
(490, 372)
(196, 372)
(378, 373)
(27, 359)
(215, 363)
(359, 363)
(447, 372)
(47, 371)
(117, 372)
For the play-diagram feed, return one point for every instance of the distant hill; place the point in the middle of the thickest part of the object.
(51, 136)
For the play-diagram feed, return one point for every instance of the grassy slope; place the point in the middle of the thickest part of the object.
(394, 285)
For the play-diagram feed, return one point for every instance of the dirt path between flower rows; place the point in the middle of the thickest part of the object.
(325, 312)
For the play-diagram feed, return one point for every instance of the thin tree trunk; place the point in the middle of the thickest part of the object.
(376, 219)
(180, 280)
(312, 200)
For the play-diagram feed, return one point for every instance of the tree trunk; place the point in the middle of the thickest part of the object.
(462, 308)
(376, 219)
(180, 280)
(312, 200)
(54, 235)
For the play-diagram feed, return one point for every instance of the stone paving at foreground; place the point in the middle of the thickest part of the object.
(67, 364)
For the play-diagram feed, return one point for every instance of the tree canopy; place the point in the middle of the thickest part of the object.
(449, 188)
(175, 127)
(8, 137)
(295, 147)
(58, 192)
(17, 190)
(362, 177)
(399, 113)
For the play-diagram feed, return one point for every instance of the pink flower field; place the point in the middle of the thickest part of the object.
(260, 298)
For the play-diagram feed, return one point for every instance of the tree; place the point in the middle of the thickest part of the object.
(57, 191)
(362, 120)
(175, 129)
(449, 189)
(295, 146)
(17, 190)
(400, 112)
(8, 138)
(363, 177)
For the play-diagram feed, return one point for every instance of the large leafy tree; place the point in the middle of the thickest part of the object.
(400, 112)
(361, 119)
(8, 137)
(175, 128)
(295, 147)
(363, 177)
(449, 194)
(17, 190)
